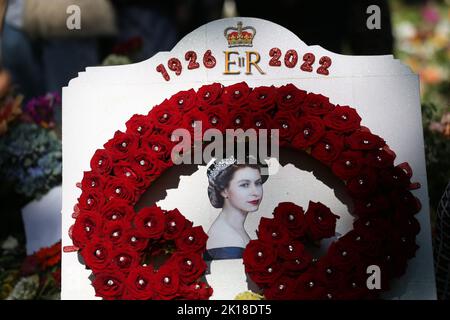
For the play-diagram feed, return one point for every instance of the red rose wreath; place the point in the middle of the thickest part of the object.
(120, 245)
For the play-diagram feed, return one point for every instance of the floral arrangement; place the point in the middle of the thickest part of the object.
(422, 36)
(116, 242)
(30, 159)
(123, 262)
(277, 259)
(124, 52)
(37, 277)
(41, 110)
(422, 33)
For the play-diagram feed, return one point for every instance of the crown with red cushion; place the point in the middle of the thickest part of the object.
(240, 36)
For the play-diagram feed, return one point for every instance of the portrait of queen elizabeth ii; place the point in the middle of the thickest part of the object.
(237, 189)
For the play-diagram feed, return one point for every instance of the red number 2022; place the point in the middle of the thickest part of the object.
(291, 58)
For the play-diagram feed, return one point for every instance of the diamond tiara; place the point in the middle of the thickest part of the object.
(220, 166)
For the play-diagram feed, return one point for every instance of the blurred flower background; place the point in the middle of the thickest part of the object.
(30, 124)
(422, 41)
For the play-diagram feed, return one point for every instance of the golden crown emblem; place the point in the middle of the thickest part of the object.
(240, 36)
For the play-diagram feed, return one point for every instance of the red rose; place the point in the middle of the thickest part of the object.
(258, 255)
(342, 256)
(267, 276)
(164, 116)
(122, 144)
(358, 242)
(195, 291)
(175, 225)
(146, 163)
(392, 265)
(403, 243)
(190, 266)
(192, 119)
(117, 209)
(184, 100)
(348, 164)
(320, 221)
(262, 99)
(92, 181)
(108, 284)
(394, 178)
(124, 259)
(364, 140)
(370, 206)
(330, 272)
(158, 146)
(166, 282)
(260, 121)
(217, 118)
(310, 130)
(408, 226)
(295, 255)
(150, 222)
(236, 94)
(282, 289)
(289, 97)
(395, 262)
(291, 216)
(139, 124)
(138, 283)
(363, 184)
(101, 162)
(209, 95)
(328, 148)
(354, 286)
(381, 158)
(123, 170)
(316, 104)
(239, 119)
(309, 287)
(86, 226)
(405, 202)
(120, 188)
(272, 231)
(115, 231)
(291, 250)
(342, 118)
(192, 240)
(97, 254)
(373, 229)
(91, 200)
(286, 123)
(134, 239)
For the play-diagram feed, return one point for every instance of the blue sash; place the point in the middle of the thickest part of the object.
(223, 253)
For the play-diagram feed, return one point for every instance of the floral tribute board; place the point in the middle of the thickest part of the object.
(353, 224)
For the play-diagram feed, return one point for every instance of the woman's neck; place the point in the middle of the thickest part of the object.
(233, 216)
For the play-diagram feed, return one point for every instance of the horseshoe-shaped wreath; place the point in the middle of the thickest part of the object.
(119, 245)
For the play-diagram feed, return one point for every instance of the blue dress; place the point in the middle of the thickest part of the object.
(223, 253)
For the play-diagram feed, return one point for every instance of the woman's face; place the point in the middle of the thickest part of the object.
(245, 189)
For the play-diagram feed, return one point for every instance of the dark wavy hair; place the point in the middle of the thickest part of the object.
(222, 181)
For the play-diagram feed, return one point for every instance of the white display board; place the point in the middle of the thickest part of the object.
(384, 92)
(41, 220)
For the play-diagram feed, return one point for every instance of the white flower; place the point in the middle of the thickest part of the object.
(405, 30)
(25, 289)
(10, 244)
